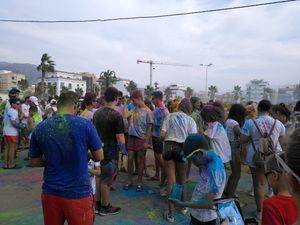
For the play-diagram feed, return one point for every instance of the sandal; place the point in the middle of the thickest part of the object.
(15, 167)
(126, 187)
(153, 179)
(139, 188)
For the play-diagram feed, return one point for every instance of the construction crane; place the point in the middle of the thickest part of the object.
(151, 63)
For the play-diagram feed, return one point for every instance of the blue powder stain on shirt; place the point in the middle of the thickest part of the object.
(64, 142)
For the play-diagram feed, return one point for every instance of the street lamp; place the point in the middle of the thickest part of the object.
(206, 68)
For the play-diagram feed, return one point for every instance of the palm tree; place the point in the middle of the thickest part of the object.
(107, 78)
(23, 84)
(47, 66)
(38, 89)
(168, 93)
(148, 91)
(64, 89)
(132, 86)
(79, 91)
(51, 90)
(268, 93)
(189, 92)
(237, 92)
(212, 90)
(96, 89)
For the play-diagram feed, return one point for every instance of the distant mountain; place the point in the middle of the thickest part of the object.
(24, 68)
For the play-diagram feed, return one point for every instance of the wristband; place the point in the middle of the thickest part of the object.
(97, 164)
(122, 147)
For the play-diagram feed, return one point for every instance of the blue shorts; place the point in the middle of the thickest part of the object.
(109, 172)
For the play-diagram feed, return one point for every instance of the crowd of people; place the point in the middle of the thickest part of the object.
(84, 144)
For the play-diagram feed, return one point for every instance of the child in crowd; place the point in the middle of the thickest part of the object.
(34, 118)
(281, 209)
(94, 170)
(211, 181)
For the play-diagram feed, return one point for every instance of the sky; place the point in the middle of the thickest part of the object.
(242, 44)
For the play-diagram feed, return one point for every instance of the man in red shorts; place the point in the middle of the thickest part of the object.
(140, 134)
(64, 140)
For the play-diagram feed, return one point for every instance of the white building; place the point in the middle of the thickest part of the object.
(8, 80)
(61, 79)
(178, 91)
(255, 90)
(286, 94)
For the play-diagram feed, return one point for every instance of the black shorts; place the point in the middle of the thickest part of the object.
(158, 145)
(172, 151)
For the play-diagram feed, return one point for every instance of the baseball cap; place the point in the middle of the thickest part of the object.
(34, 100)
(194, 142)
(157, 94)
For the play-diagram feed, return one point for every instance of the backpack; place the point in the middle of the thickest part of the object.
(266, 146)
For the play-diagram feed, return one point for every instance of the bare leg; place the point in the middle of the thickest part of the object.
(141, 166)
(157, 167)
(259, 183)
(105, 190)
(181, 169)
(6, 153)
(235, 176)
(171, 179)
(130, 162)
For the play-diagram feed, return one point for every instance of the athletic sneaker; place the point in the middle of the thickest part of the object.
(251, 192)
(258, 215)
(109, 210)
(184, 211)
(168, 217)
(164, 192)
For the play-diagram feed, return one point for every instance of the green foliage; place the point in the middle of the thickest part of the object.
(212, 90)
(46, 66)
(64, 89)
(107, 78)
(168, 93)
(96, 89)
(237, 92)
(268, 93)
(189, 92)
(23, 84)
(51, 90)
(148, 91)
(79, 91)
(132, 86)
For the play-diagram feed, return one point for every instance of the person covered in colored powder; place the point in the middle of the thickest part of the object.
(211, 181)
(160, 113)
(63, 141)
(140, 134)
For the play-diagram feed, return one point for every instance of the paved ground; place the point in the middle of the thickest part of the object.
(20, 199)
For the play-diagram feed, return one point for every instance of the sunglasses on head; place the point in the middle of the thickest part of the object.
(284, 166)
(192, 154)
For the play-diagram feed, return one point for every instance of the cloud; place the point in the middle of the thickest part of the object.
(250, 43)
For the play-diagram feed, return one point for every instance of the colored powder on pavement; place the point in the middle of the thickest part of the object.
(8, 214)
(152, 214)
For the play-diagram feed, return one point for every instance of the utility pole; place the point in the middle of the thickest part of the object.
(206, 68)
